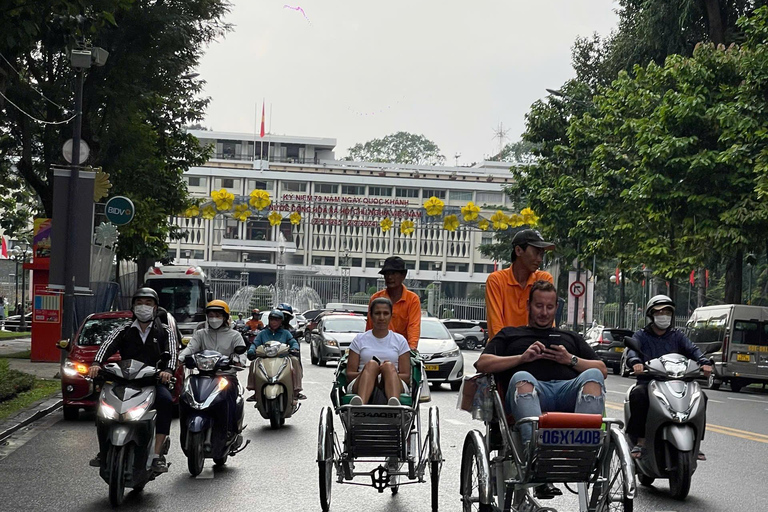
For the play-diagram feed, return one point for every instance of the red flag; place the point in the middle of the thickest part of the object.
(706, 278)
(692, 279)
(261, 133)
(617, 276)
(3, 248)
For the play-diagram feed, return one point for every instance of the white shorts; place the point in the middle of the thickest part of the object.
(351, 385)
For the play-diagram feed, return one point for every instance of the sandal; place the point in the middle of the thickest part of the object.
(637, 452)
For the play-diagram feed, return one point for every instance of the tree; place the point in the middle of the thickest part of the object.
(134, 107)
(400, 148)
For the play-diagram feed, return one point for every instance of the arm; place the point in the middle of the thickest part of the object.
(172, 344)
(494, 305)
(194, 346)
(291, 341)
(404, 367)
(414, 322)
(353, 363)
(109, 347)
(491, 363)
(559, 354)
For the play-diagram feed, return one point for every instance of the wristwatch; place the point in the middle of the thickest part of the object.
(574, 361)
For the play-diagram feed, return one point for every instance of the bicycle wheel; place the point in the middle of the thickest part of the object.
(435, 455)
(325, 457)
(612, 496)
(475, 475)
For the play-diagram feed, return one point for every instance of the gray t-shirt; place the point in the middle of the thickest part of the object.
(389, 348)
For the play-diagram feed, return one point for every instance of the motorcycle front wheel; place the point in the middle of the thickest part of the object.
(275, 416)
(195, 454)
(117, 476)
(680, 476)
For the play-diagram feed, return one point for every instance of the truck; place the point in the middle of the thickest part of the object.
(183, 292)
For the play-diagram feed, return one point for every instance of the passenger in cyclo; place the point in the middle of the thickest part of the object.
(544, 369)
(276, 332)
(378, 358)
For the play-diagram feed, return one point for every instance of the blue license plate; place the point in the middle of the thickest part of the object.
(569, 437)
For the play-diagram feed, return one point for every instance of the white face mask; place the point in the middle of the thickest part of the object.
(662, 321)
(215, 322)
(143, 312)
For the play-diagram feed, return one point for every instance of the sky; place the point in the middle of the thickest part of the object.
(450, 70)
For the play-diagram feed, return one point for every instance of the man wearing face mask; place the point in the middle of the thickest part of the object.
(656, 339)
(144, 340)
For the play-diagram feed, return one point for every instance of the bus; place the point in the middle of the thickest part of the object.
(183, 292)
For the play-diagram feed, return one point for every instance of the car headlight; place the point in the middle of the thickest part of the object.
(107, 411)
(449, 353)
(330, 342)
(72, 368)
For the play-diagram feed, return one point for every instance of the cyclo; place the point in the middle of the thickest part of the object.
(389, 437)
(499, 471)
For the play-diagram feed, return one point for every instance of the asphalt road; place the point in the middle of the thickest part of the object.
(46, 467)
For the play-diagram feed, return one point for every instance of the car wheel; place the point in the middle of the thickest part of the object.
(617, 369)
(312, 356)
(712, 382)
(470, 343)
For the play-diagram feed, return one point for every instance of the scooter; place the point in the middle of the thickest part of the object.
(272, 381)
(125, 425)
(203, 411)
(676, 421)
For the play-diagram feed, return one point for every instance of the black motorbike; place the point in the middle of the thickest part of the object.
(204, 415)
(125, 425)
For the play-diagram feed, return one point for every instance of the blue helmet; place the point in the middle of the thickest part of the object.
(285, 308)
(275, 314)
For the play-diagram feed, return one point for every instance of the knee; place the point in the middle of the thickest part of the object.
(371, 367)
(388, 368)
(593, 375)
(592, 388)
(523, 387)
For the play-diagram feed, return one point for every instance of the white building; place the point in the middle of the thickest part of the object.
(342, 203)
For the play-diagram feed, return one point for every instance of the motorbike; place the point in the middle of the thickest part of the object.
(125, 425)
(272, 381)
(675, 423)
(248, 334)
(203, 414)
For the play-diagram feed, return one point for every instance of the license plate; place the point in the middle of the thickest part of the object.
(743, 357)
(432, 367)
(618, 349)
(569, 437)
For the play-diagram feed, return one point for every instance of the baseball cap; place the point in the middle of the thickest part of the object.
(393, 264)
(531, 237)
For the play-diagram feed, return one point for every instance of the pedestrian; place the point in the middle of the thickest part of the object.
(406, 305)
(507, 290)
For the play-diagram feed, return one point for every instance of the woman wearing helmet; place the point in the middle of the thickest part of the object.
(276, 332)
(659, 337)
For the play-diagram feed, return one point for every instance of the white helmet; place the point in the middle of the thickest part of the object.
(658, 302)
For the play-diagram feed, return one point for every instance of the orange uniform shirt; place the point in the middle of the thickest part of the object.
(506, 300)
(406, 316)
(254, 324)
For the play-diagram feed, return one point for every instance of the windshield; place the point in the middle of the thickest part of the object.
(183, 298)
(434, 331)
(351, 324)
(706, 329)
(94, 332)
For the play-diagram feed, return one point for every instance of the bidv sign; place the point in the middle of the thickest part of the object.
(119, 210)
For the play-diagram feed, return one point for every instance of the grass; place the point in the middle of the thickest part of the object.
(42, 389)
(8, 335)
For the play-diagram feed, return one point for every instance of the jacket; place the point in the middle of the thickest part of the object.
(671, 342)
(223, 340)
(280, 335)
(127, 341)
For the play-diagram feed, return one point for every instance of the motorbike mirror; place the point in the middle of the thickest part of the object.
(240, 349)
(634, 345)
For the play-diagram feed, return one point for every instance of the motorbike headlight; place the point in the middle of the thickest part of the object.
(676, 368)
(107, 411)
(137, 412)
(272, 349)
(206, 363)
(331, 342)
(449, 353)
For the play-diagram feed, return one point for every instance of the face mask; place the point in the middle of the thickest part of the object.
(143, 312)
(662, 321)
(214, 322)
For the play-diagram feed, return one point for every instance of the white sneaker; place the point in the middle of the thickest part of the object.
(356, 400)
(393, 401)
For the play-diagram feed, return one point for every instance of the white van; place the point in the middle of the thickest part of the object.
(735, 338)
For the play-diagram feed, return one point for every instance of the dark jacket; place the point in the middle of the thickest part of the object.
(671, 342)
(128, 342)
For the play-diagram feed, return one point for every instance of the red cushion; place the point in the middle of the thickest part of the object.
(570, 420)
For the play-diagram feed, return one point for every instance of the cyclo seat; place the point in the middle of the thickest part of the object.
(340, 396)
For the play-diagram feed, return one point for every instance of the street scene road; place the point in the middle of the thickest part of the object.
(46, 467)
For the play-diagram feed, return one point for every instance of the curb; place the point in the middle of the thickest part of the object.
(30, 415)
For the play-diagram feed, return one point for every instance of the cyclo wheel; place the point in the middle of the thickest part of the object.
(117, 475)
(612, 496)
(475, 474)
(435, 455)
(325, 457)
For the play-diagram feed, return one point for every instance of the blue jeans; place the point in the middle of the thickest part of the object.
(553, 396)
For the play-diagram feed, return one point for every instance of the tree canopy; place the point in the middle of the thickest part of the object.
(400, 148)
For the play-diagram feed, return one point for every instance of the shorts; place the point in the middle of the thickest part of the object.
(351, 385)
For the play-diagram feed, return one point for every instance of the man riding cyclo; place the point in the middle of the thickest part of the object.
(144, 340)
(544, 369)
(276, 332)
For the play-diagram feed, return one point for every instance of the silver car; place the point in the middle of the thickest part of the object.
(443, 360)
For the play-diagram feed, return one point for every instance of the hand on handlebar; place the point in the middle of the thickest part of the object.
(165, 377)
(294, 352)
(93, 371)
(706, 369)
(638, 369)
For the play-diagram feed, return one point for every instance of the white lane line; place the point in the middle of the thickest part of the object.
(715, 401)
(454, 422)
(747, 400)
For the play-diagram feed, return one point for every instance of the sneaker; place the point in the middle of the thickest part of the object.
(393, 401)
(356, 400)
(252, 398)
(159, 465)
(95, 462)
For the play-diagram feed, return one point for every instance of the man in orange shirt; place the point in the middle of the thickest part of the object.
(507, 290)
(406, 305)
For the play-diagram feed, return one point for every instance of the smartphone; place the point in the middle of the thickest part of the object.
(376, 359)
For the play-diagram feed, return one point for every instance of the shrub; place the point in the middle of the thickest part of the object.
(13, 382)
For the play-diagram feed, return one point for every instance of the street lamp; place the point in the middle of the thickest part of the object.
(21, 252)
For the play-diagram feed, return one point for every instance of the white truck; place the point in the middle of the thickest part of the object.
(183, 292)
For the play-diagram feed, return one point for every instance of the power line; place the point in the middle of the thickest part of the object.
(25, 80)
(33, 117)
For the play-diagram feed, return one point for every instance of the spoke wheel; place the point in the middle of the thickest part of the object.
(470, 482)
(434, 474)
(325, 466)
(609, 497)
(680, 476)
(117, 476)
(195, 454)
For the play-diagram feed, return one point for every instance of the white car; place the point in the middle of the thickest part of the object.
(443, 360)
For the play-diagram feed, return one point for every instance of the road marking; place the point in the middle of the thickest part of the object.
(454, 422)
(715, 401)
(748, 400)
(737, 431)
(26, 434)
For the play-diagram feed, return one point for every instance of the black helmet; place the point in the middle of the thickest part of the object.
(145, 293)
(658, 302)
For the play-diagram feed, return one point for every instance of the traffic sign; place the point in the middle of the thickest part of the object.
(85, 151)
(119, 210)
(578, 288)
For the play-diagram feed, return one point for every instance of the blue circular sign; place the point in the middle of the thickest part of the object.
(119, 210)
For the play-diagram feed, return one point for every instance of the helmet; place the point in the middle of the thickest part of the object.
(145, 293)
(217, 305)
(658, 302)
(285, 308)
(276, 314)
(255, 310)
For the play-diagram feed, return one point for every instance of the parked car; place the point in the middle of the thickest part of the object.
(77, 392)
(474, 335)
(13, 322)
(333, 335)
(608, 344)
(443, 361)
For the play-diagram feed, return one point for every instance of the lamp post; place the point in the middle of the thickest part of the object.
(21, 251)
(345, 276)
(280, 270)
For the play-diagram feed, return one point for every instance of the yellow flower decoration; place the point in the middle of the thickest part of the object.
(260, 199)
(274, 218)
(451, 222)
(407, 227)
(483, 225)
(192, 211)
(209, 212)
(223, 199)
(500, 221)
(241, 212)
(295, 218)
(386, 224)
(470, 211)
(529, 217)
(516, 220)
(434, 206)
